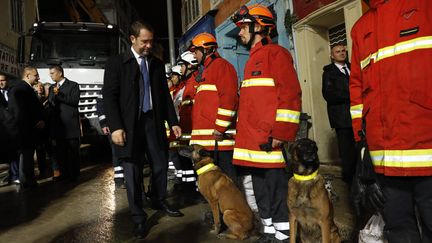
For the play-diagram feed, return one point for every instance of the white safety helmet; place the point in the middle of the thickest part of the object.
(187, 58)
(176, 70)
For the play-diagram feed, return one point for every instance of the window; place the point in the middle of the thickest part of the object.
(191, 10)
(17, 14)
(337, 35)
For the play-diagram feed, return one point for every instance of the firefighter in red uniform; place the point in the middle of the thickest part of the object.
(216, 101)
(268, 115)
(390, 89)
(188, 67)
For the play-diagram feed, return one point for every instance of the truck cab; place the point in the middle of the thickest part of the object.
(82, 50)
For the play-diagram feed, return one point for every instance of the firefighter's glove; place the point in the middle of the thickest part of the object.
(375, 196)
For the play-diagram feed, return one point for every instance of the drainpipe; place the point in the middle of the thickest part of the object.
(171, 32)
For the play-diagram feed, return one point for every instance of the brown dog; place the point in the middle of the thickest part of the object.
(310, 208)
(222, 194)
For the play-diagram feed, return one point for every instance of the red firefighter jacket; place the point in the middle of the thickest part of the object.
(390, 85)
(215, 104)
(269, 106)
(185, 110)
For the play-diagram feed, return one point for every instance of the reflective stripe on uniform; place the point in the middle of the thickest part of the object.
(212, 142)
(402, 158)
(225, 112)
(424, 42)
(202, 132)
(101, 117)
(222, 123)
(208, 87)
(285, 115)
(117, 168)
(119, 175)
(281, 236)
(356, 111)
(282, 226)
(253, 82)
(258, 156)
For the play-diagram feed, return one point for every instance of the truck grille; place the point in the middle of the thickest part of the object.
(88, 96)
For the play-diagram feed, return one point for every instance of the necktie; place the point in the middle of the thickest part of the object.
(345, 71)
(146, 85)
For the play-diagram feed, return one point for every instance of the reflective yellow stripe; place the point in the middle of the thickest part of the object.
(205, 168)
(399, 48)
(356, 111)
(258, 156)
(212, 142)
(222, 123)
(201, 132)
(284, 115)
(402, 158)
(225, 112)
(258, 82)
(305, 177)
(208, 87)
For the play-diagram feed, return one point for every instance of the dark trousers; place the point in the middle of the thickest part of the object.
(403, 195)
(41, 158)
(14, 165)
(26, 167)
(68, 156)
(347, 152)
(145, 145)
(224, 161)
(270, 189)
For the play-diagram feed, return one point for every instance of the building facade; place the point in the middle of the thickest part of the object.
(16, 17)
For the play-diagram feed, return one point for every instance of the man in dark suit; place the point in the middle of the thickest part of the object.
(335, 89)
(137, 102)
(3, 90)
(28, 114)
(63, 99)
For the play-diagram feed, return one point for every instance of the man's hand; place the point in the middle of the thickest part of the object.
(105, 130)
(119, 137)
(218, 135)
(276, 143)
(40, 124)
(177, 131)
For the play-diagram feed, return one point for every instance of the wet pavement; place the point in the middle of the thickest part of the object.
(92, 210)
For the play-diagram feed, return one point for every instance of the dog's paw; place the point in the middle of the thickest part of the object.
(215, 230)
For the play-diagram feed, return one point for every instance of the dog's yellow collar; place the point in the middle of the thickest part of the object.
(205, 168)
(307, 177)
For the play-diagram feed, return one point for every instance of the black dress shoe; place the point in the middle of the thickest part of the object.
(162, 205)
(140, 231)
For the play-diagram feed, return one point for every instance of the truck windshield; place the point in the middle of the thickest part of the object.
(73, 46)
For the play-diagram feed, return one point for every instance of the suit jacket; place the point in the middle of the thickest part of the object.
(63, 115)
(27, 111)
(122, 94)
(335, 89)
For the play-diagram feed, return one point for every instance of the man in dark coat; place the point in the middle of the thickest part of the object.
(27, 111)
(137, 102)
(65, 129)
(335, 89)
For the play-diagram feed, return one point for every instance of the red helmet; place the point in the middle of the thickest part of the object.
(254, 13)
(204, 40)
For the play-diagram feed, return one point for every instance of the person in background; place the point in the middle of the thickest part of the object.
(65, 124)
(269, 115)
(118, 168)
(335, 90)
(28, 112)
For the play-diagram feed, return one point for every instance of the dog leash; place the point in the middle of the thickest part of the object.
(216, 153)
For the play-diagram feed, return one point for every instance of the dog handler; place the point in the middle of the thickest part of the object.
(390, 89)
(268, 115)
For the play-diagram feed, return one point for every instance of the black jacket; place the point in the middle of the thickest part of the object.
(122, 92)
(27, 111)
(335, 89)
(64, 117)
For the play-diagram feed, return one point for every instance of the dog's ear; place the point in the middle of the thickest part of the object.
(204, 153)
